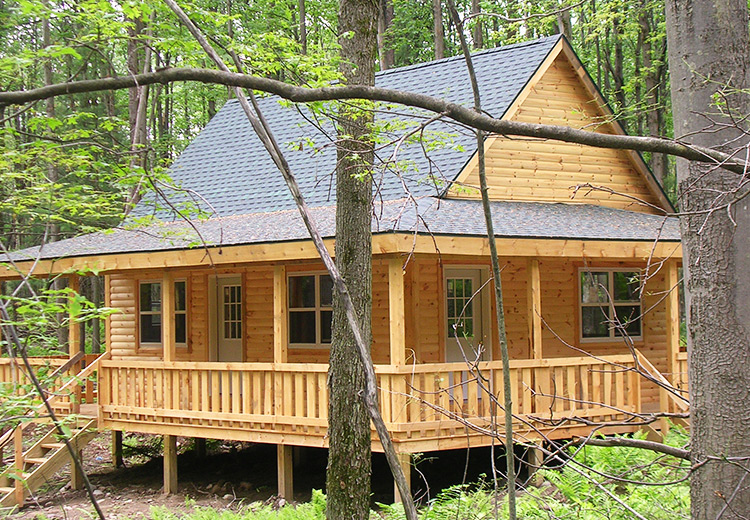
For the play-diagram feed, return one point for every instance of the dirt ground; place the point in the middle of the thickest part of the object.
(231, 476)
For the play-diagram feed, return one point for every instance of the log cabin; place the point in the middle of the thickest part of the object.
(222, 327)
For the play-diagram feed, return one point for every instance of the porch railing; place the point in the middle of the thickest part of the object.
(417, 401)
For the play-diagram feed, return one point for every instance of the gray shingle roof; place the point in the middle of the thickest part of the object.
(227, 165)
(444, 217)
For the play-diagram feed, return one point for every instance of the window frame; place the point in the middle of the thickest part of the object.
(610, 304)
(318, 308)
(139, 313)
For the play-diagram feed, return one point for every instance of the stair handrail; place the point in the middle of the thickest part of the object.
(6, 438)
(644, 362)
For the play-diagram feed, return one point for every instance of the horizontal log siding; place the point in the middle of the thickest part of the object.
(539, 170)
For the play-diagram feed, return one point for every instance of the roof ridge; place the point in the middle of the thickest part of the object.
(502, 48)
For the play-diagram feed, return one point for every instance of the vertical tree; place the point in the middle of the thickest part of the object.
(709, 59)
(349, 458)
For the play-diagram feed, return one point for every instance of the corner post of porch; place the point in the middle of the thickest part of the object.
(542, 397)
(74, 344)
(673, 321)
(535, 308)
(397, 340)
(167, 322)
(280, 319)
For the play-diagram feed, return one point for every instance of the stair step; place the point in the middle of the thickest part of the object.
(36, 460)
(4, 490)
(53, 445)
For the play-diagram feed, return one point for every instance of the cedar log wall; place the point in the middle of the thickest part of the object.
(526, 169)
(425, 332)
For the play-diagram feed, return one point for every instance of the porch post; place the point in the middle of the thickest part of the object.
(673, 320)
(280, 320)
(534, 300)
(397, 311)
(170, 464)
(74, 345)
(404, 460)
(284, 463)
(167, 318)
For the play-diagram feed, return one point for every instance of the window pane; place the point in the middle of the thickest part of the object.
(594, 322)
(627, 285)
(451, 291)
(151, 328)
(302, 327)
(594, 287)
(180, 328)
(628, 316)
(326, 291)
(326, 317)
(302, 291)
(179, 295)
(151, 297)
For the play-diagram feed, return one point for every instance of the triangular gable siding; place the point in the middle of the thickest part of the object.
(538, 170)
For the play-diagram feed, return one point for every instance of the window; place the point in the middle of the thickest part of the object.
(460, 299)
(150, 313)
(310, 310)
(610, 303)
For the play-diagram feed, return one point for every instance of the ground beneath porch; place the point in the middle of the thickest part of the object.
(231, 476)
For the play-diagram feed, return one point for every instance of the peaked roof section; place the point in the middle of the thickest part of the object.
(227, 165)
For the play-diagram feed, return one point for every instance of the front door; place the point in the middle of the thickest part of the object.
(464, 316)
(229, 319)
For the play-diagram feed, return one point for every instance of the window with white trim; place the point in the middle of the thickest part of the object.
(610, 304)
(310, 299)
(150, 314)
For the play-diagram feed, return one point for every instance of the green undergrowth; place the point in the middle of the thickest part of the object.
(650, 484)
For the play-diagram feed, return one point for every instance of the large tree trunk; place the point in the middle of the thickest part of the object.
(349, 458)
(709, 53)
(653, 78)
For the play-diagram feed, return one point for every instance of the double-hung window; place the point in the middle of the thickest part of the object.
(150, 314)
(610, 303)
(310, 310)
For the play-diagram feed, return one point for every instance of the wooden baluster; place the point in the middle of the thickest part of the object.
(19, 484)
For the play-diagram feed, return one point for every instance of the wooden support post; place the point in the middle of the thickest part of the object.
(200, 448)
(673, 322)
(534, 461)
(76, 477)
(74, 346)
(397, 311)
(280, 316)
(404, 460)
(284, 463)
(117, 449)
(534, 300)
(170, 464)
(167, 317)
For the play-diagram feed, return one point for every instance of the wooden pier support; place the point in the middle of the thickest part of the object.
(170, 464)
(117, 449)
(405, 462)
(284, 462)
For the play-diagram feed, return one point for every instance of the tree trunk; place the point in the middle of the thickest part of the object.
(437, 29)
(709, 54)
(302, 26)
(477, 34)
(385, 50)
(349, 458)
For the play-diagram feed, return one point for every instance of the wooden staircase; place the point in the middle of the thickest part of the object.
(32, 466)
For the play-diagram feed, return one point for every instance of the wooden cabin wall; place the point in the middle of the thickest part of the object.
(425, 322)
(380, 317)
(525, 169)
(258, 310)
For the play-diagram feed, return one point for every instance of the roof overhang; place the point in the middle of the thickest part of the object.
(400, 243)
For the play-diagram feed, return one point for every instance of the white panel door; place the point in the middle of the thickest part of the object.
(229, 326)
